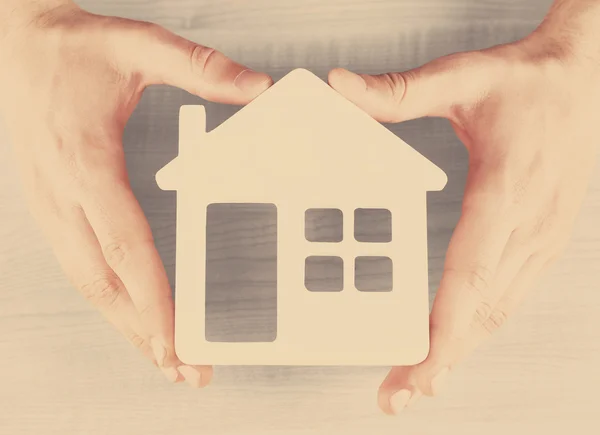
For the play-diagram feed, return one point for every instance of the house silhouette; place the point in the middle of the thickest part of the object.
(299, 146)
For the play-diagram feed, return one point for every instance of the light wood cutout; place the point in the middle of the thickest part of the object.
(299, 146)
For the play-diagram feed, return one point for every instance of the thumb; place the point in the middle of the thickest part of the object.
(161, 57)
(436, 89)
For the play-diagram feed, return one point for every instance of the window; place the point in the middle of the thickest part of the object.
(372, 225)
(324, 225)
(372, 272)
(324, 273)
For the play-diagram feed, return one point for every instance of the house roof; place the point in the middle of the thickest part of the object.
(322, 128)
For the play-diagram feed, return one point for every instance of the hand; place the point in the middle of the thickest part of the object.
(527, 114)
(69, 82)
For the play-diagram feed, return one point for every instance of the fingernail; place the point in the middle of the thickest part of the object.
(399, 400)
(439, 381)
(170, 373)
(191, 375)
(252, 81)
(160, 353)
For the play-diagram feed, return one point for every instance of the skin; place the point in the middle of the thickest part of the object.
(525, 111)
(77, 77)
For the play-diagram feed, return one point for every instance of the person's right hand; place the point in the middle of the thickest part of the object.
(69, 82)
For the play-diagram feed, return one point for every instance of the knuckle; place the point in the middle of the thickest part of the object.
(544, 233)
(146, 310)
(200, 57)
(133, 30)
(397, 84)
(523, 180)
(457, 61)
(478, 281)
(482, 313)
(545, 228)
(477, 284)
(527, 235)
(103, 289)
(150, 27)
(528, 179)
(512, 184)
(492, 61)
(116, 253)
(495, 321)
(137, 340)
(120, 252)
(519, 190)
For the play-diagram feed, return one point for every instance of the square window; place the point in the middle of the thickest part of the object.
(323, 225)
(373, 274)
(324, 274)
(372, 225)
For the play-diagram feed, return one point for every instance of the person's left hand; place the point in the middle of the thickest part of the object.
(527, 113)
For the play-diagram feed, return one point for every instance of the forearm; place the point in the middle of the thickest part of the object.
(573, 28)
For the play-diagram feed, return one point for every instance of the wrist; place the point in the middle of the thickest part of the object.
(18, 14)
(570, 33)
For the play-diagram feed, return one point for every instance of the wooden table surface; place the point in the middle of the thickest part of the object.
(63, 370)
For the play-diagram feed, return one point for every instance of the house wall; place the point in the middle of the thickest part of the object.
(320, 320)
(320, 323)
(190, 273)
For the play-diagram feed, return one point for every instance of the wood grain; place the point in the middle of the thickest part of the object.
(64, 370)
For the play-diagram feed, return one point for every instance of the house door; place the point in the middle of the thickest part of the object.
(241, 272)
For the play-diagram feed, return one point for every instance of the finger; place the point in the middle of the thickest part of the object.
(466, 292)
(523, 260)
(515, 256)
(432, 90)
(128, 247)
(512, 298)
(162, 57)
(488, 316)
(78, 252)
(483, 323)
(517, 271)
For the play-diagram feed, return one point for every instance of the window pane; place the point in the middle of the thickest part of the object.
(373, 225)
(324, 274)
(373, 274)
(323, 225)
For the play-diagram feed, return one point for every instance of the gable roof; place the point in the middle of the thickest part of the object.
(298, 98)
